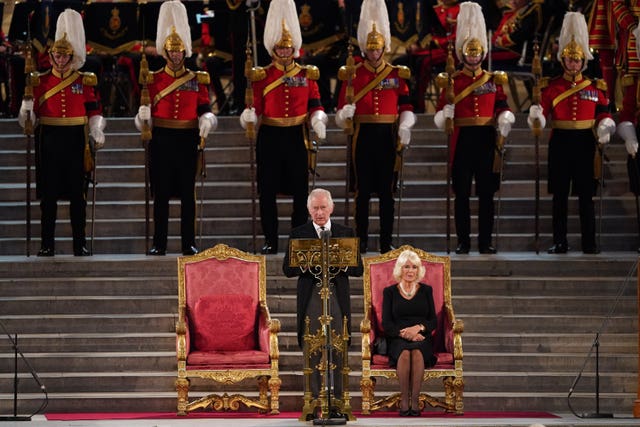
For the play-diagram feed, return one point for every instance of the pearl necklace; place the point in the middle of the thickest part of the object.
(414, 288)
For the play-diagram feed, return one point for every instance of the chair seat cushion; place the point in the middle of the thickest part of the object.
(445, 361)
(252, 359)
(225, 322)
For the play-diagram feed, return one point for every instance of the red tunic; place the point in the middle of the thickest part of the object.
(186, 102)
(447, 16)
(385, 101)
(580, 110)
(288, 103)
(75, 101)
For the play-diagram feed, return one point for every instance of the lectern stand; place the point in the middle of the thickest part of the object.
(324, 259)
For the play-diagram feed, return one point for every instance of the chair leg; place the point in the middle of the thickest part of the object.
(367, 386)
(274, 388)
(263, 396)
(182, 387)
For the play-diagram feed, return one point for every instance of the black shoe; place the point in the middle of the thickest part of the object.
(268, 248)
(81, 251)
(558, 248)
(487, 250)
(406, 413)
(463, 248)
(414, 412)
(386, 248)
(156, 251)
(190, 250)
(46, 252)
(592, 250)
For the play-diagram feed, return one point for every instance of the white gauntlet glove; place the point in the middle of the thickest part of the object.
(535, 112)
(248, 116)
(627, 131)
(405, 123)
(345, 113)
(144, 114)
(96, 128)
(319, 124)
(26, 109)
(447, 112)
(207, 122)
(606, 128)
(505, 120)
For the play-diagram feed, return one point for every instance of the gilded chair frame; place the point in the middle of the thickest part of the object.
(268, 378)
(451, 374)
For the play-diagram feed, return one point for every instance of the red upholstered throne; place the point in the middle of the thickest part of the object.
(378, 274)
(224, 330)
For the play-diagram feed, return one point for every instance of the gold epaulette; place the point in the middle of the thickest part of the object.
(544, 82)
(343, 72)
(442, 80)
(312, 72)
(33, 79)
(203, 77)
(601, 84)
(257, 74)
(89, 79)
(500, 78)
(628, 80)
(404, 72)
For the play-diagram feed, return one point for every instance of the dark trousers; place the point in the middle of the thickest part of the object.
(571, 155)
(60, 175)
(474, 159)
(281, 157)
(173, 157)
(375, 154)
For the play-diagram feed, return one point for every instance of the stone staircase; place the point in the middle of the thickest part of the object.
(225, 195)
(100, 331)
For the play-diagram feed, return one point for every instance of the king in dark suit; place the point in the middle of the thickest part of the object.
(309, 303)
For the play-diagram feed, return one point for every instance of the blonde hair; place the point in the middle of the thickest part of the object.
(412, 257)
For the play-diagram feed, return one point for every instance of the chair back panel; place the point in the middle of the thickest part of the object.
(211, 276)
(380, 275)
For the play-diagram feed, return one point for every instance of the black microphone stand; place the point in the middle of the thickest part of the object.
(596, 344)
(16, 352)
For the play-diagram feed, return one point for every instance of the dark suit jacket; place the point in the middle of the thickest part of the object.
(306, 281)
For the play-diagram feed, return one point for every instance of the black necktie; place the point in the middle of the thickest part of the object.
(321, 230)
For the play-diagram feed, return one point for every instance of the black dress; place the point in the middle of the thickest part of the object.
(399, 313)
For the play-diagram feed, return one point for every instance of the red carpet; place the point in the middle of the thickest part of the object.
(295, 415)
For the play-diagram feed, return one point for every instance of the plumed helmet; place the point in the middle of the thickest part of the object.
(70, 38)
(471, 32)
(373, 27)
(282, 28)
(173, 29)
(574, 38)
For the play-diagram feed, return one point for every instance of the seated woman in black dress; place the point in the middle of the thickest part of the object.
(408, 319)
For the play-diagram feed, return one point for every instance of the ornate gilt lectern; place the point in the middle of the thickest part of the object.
(325, 258)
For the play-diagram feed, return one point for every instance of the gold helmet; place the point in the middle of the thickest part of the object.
(174, 33)
(282, 27)
(69, 38)
(62, 46)
(574, 38)
(286, 41)
(173, 42)
(471, 33)
(373, 28)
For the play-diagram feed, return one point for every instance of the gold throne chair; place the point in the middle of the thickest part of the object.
(224, 330)
(378, 274)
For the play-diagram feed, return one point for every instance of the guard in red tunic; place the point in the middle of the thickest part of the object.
(580, 120)
(285, 96)
(181, 117)
(479, 102)
(64, 102)
(382, 118)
